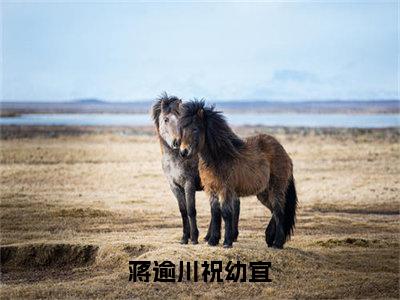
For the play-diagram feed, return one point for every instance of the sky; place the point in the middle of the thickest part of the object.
(126, 51)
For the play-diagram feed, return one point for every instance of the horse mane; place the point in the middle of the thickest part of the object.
(165, 104)
(221, 143)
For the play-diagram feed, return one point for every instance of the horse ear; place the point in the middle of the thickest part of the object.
(164, 105)
(156, 111)
(179, 103)
(200, 113)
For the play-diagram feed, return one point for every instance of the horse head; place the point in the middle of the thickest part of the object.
(165, 113)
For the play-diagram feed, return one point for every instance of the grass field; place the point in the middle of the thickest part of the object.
(77, 205)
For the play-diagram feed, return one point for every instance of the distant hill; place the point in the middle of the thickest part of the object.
(89, 101)
(238, 106)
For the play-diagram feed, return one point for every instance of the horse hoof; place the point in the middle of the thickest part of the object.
(184, 241)
(226, 246)
(275, 247)
(213, 241)
(195, 242)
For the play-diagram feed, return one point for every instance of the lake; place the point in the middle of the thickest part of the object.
(277, 119)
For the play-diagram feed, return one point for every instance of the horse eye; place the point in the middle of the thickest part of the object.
(166, 120)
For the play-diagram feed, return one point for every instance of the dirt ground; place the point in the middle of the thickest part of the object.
(77, 205)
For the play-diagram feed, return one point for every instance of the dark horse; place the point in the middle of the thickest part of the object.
(231, 167)
(182, 173)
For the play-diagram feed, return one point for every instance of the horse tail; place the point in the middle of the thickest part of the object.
(289, 219)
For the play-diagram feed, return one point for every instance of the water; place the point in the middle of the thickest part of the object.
(290, 120)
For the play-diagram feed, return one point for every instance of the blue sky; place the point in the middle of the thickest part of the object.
(130, 51)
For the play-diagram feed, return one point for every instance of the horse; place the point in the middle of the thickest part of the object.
(231, 167)
(182, 173)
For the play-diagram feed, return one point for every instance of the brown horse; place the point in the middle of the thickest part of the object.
(231, 167)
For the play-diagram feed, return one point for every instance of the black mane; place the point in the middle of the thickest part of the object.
(166, 104)
(221, 143)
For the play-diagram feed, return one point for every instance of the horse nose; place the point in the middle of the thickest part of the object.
(175, 143)
(184, 152)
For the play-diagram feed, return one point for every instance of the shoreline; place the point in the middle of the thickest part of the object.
(8, 132)
(233, 106)
(5, 113)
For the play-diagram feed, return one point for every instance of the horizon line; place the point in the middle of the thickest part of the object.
(105, 101)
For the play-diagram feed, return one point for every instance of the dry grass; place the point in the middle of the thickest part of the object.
(75, 208)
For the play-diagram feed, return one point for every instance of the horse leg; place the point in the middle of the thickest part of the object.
(236, 209)
(215, 224)
(271, 228)
(227, 215)
(207, 237)
(279, 239)
(215, 217)
(180, 196)
(190, 195)
(270, 232)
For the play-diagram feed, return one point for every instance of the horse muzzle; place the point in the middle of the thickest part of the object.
(184, 153)
(175, 144)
